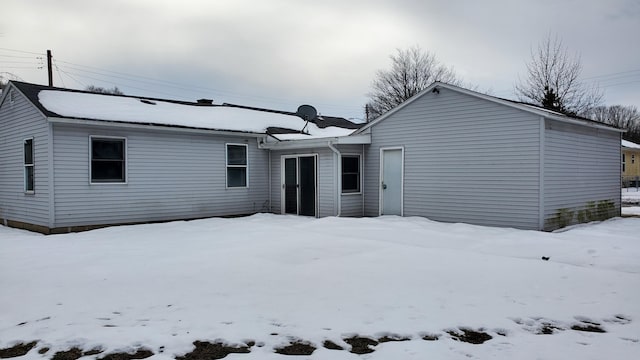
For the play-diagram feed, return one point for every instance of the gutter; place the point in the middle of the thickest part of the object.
(339, 178)
(151, 126)
(316, 142)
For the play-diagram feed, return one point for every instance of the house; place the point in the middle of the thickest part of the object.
(74, 160)
(630, 163)
(456, 155)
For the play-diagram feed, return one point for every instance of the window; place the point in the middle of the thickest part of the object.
(633, 158)
(237, 165)
(108, 160)
(351, 174)
(28, 166)
(624, 167)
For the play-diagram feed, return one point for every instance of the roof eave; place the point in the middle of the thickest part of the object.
(163, 127)
(317, 142)
(521, 107)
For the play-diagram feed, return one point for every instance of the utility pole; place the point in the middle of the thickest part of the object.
(49, 68)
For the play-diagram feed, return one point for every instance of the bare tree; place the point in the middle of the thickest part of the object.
(553, 80)
(412, 70)
(101, 90)
(624, 117)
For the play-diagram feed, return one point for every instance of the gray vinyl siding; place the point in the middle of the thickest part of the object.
(170, 175)
(18, 121)
(582, 165)
(465, 160)
(351, 204)
(326, 179)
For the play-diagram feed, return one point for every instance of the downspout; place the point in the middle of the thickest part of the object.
(541, 165)
(362, 179)
(269, 201)
(51, 180)
(339, 178)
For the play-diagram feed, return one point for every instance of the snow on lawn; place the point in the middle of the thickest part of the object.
(630, 196)
(273, 279)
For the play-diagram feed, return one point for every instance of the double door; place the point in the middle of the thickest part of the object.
(299, 184)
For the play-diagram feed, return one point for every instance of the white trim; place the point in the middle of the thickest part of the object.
(51, 180)
(363, 192)
(380, 197)
(227, 166)
(282, 181)
(337, 179)
(159, 127)
(314, 143)
(32, 166)
(528, 108)
(541, 174)
(359, 156)
(126, 160)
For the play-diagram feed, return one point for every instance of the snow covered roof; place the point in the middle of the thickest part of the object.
(629, 144)
(83, 105)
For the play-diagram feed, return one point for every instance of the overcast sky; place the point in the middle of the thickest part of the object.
(283, 53)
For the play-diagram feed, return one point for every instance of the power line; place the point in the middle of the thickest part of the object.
(59, 74)
(612, 74)
(175, 85)
(22, 51)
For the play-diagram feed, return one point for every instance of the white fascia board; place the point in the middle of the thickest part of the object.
(530, 109)
(169, 128)
(319, 142)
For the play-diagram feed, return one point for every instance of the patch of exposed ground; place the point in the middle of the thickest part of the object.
(328, 344)
(430, 337)
(361, 345)
(74, 353)
(206, 350)
(20, 349)
(393, 337)
(469, 335)
(296, 347)
(139, 354)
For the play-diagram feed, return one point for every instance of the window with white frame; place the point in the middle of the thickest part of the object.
(237, 162)
(108, 159)
(29, 178)
(350, 174)
(624, 164)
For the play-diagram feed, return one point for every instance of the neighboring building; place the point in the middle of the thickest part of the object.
(630, 163)
(72, 160)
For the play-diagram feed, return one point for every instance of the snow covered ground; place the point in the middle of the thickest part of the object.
(274, 280)
(630, 196)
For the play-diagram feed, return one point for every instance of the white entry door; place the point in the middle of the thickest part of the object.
(391, 181)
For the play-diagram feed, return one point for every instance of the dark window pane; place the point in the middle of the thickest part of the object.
(350, 182)
(350, 174)
(103, 149)
(107, 171)
(29, 179)
(28, 152)
(350, 164)
(236, 155)
(307, 180)
(237, 177)
(290, 186)
(107, 160)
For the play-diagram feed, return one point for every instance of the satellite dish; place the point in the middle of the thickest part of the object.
(306, 112)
